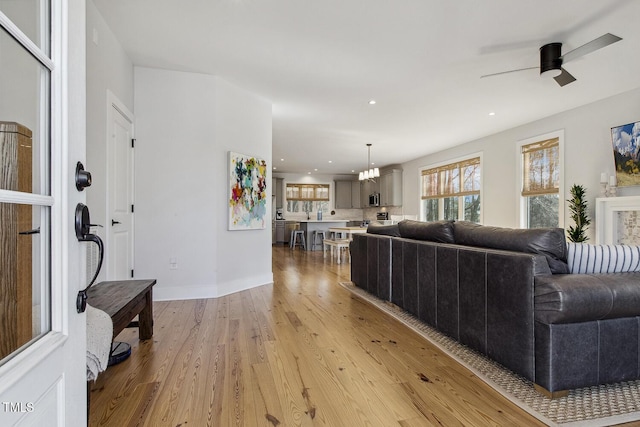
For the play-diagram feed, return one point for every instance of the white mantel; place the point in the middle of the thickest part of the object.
(609, 211)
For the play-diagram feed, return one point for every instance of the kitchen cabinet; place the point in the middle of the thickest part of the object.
(367, 189)
(278, 191)
(347, 195)
(391, 188)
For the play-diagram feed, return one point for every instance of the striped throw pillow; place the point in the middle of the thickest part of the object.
(586, 258)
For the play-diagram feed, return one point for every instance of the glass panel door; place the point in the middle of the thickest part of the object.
(25, 176)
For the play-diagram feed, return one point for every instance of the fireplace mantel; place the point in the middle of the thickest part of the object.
(608, 217)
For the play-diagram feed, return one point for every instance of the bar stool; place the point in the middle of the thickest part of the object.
(293, 240)
(314, 240)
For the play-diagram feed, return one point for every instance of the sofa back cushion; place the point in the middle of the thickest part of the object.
(386, 230)
(549, 242)
(586, 258)
(435, 231)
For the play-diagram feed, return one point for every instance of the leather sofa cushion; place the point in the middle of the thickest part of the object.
(549, 242)
(569, 298)
(434, 231)
(386, 230)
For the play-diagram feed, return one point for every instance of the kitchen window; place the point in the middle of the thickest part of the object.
(452, 191)
(307, 197)
(541, 201)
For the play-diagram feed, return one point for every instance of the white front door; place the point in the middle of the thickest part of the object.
(120, 192)
(42, 104)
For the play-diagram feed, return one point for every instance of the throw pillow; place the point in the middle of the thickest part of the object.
(587, 258)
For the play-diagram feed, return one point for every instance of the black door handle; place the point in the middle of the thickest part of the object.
(114, 222)
(27, 233)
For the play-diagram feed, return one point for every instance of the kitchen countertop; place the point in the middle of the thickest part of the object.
(324, 220)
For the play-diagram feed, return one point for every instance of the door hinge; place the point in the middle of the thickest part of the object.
(133, 142)
(132, 209)
(132, 273)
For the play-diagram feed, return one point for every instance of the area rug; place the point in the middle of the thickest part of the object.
(591, 406)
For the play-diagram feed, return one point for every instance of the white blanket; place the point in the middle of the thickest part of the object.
(99, 337)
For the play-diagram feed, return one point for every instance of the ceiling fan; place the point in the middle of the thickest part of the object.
(552, 59)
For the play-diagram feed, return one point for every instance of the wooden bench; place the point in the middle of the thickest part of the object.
(338, 244)
(123, 300)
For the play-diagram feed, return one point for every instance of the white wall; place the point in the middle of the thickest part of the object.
(185, 125)
(588, 152)
(108, 69)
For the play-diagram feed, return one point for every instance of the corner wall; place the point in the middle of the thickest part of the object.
(185, 125)
(109, 69)
(587, 153)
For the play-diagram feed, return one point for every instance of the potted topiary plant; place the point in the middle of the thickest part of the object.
(578, 208)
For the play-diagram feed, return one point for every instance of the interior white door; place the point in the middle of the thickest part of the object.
(120, 193)
(42, 82)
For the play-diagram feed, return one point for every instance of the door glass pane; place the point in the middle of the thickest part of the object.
(32, 18)
(24, 276)
(24, 123)
(25, 141)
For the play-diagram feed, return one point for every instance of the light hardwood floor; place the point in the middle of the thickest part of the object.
(303, 351)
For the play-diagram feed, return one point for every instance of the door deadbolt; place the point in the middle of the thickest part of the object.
(83, 177)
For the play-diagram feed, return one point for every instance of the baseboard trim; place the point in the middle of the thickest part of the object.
(172, 293)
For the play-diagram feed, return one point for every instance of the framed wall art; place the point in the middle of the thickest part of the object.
(247, 192)
(626, 154)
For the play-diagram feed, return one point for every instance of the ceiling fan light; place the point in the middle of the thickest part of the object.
(554, 72)
(551, 60)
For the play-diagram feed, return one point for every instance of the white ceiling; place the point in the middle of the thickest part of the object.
(320, 61)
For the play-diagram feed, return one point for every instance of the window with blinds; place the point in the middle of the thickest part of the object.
(452, 191)
(455, 179)
(541, 168)
(308, 192)
(541, 175)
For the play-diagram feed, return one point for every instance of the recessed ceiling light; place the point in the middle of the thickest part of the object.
(309, 173)
(330, 161)
(492, 113)
(315, 170)
(274, 168)
(282, 160)
(372, 102)
(352, 171)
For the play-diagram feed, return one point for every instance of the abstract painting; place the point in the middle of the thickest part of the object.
(626, 153)
(248, 192)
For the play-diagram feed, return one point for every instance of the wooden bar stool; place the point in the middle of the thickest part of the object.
(293, 240)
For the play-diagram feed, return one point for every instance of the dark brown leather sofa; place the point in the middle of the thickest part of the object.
(507, 294)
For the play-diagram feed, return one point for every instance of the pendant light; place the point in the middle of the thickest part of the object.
(369, 173)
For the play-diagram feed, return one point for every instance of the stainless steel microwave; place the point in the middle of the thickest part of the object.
(374, 199)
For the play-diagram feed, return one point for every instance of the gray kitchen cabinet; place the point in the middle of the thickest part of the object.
(391, 188)
(356, 201)
(347, 195)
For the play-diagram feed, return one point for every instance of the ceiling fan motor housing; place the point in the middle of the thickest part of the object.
(551, 59)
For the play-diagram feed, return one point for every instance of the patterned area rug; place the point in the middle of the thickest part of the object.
(592, 406)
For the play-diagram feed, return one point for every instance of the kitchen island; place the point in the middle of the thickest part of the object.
(310, 226)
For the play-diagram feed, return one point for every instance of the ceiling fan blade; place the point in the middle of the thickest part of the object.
(510, 71)
(599, 43)
(564, 78)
